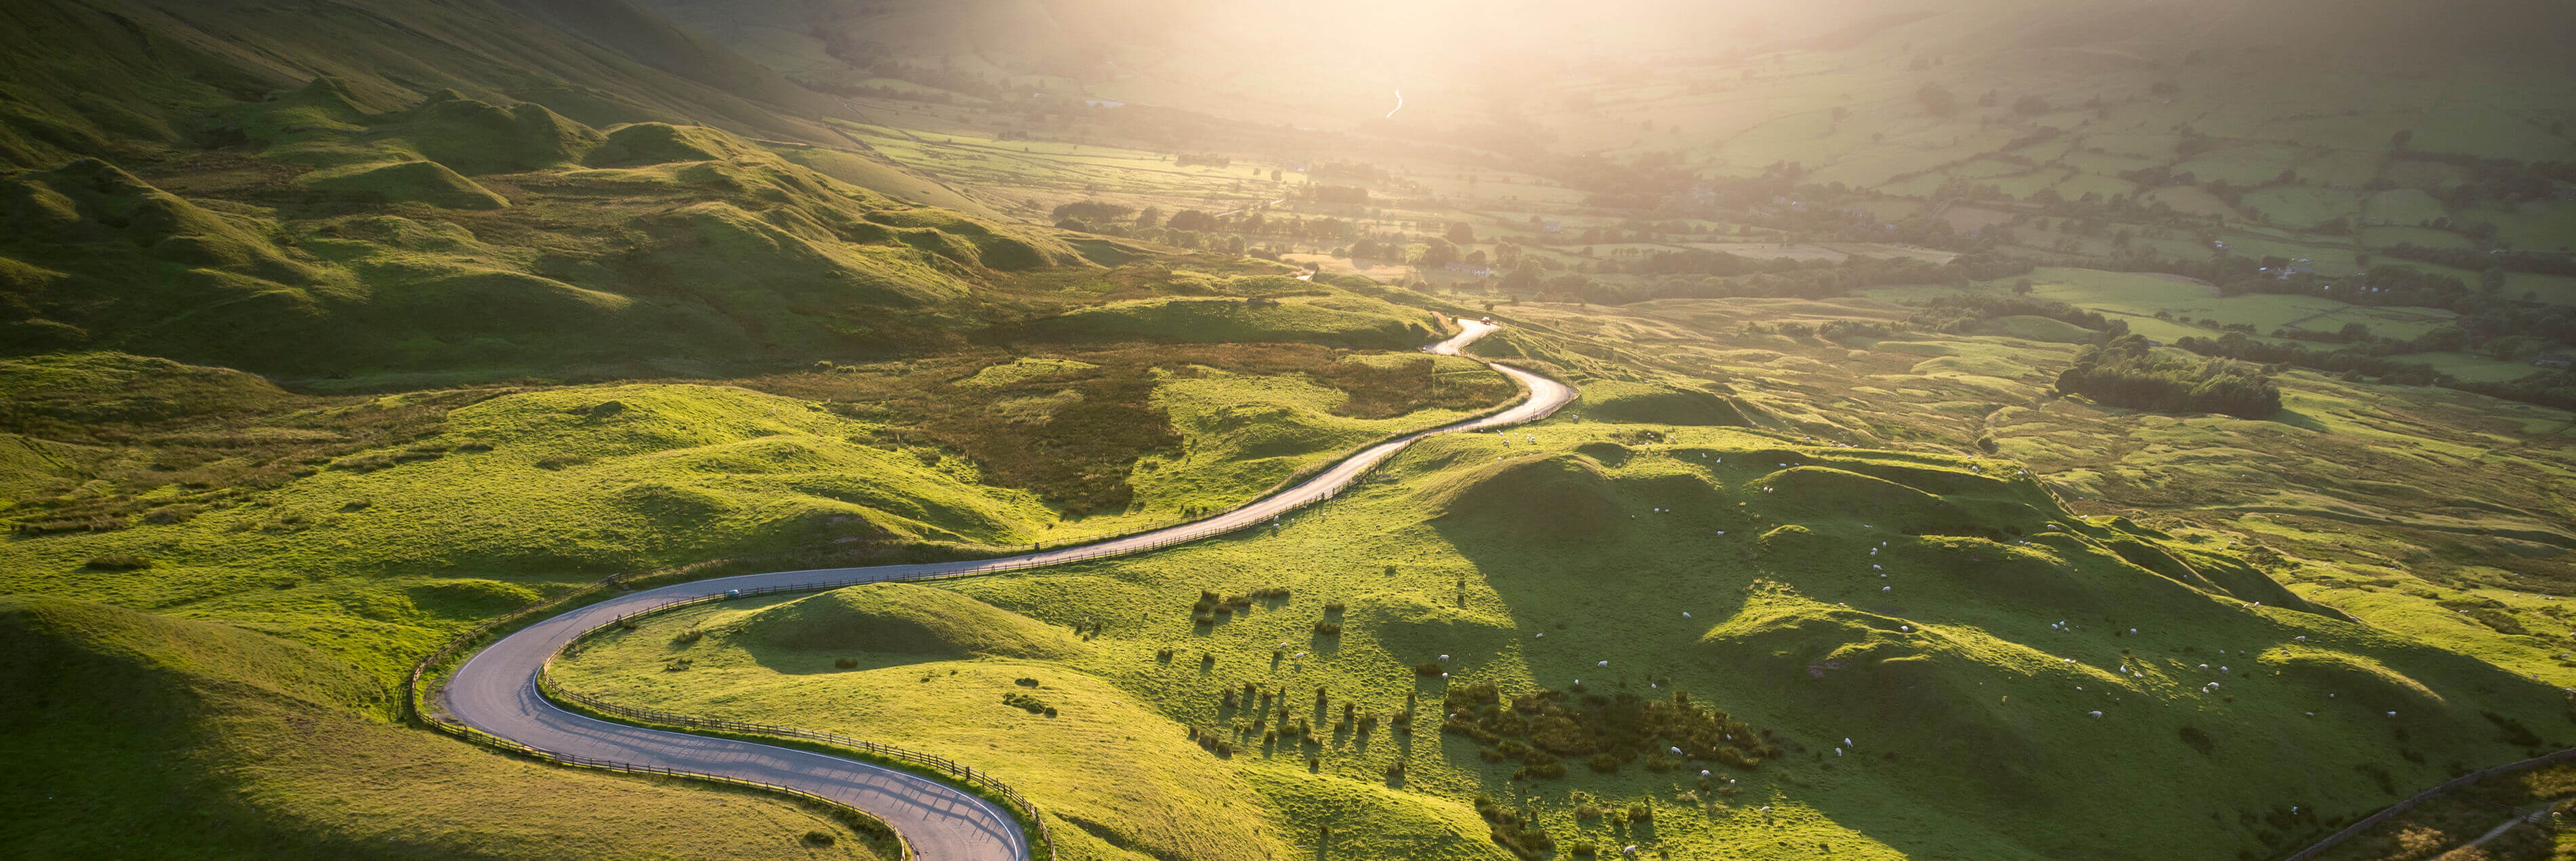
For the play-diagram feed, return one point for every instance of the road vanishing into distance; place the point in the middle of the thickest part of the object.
(496, 690)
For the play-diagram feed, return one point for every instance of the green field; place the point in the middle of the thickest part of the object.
(329, 334)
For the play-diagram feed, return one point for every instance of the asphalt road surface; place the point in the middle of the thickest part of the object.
(495, 691)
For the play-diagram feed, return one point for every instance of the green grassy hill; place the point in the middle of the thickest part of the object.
(1945, 614)
(187, 739)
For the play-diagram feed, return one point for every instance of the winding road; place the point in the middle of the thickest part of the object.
(496, 691)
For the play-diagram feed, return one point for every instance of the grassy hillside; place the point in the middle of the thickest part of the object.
(187, 739)
(1911, 603)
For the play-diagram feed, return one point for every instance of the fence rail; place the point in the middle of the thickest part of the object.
(944, 765)
(2453, 785)
(578, 761)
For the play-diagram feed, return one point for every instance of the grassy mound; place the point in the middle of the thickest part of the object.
(426, 182)
(658, 143)
(1549, 498)
(901, 618)
(1410, 627)
(1651, 403)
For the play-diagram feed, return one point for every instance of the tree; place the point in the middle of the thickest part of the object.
(2491, 280)
(1191, 219)
(1462, 233)
(2400, 139)
(1437, 252)
(1937, 99)
(1152, 216)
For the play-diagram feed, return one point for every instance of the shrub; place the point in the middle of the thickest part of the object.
(1428, 668)
(474, 445)
(693, 635)
(818, 838)
(168, 514)
(846, 663)
(1029, 704)
(1605, 763)
(1329, 629)
(1025, 682)
(2199, 741)
(1163, 654)
(1334, 607)
(119, 562)
(1585, 849)
(1641, 812)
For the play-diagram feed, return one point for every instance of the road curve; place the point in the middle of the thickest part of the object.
(495, 691)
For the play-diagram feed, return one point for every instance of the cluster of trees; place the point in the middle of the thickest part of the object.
(1202, 159)
(1319, 193)
(1958, 312)
(2498, 261)
(2501, 180)
(2128, 372)
(1730, 275)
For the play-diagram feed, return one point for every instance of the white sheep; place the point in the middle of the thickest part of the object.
(1541, 636)
(1677, 751)
(2095, 713)
(1602, 664)
(1847, 743)
(2392, 714)
(1887, 588)
(1444, 658)
(1685, 614)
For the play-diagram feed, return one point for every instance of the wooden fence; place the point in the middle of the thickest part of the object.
(2453, 785)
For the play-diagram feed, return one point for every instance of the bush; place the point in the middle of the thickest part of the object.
(818, 838)
(1428, 669)
(119, 562)
(1641, 812)
(845, 663)
(2199, 741)
(1029, 704)
(693, 635)
(1334, 607)
(1329, 629)
(1605, 763)
(1025, 682)
(2128, 373)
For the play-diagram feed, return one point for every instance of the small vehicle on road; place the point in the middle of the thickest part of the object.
(1487, 321)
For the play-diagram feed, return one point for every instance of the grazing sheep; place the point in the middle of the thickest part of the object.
(1685, 614)
(1444, 658)
(2095, 713)
(1602, 664)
